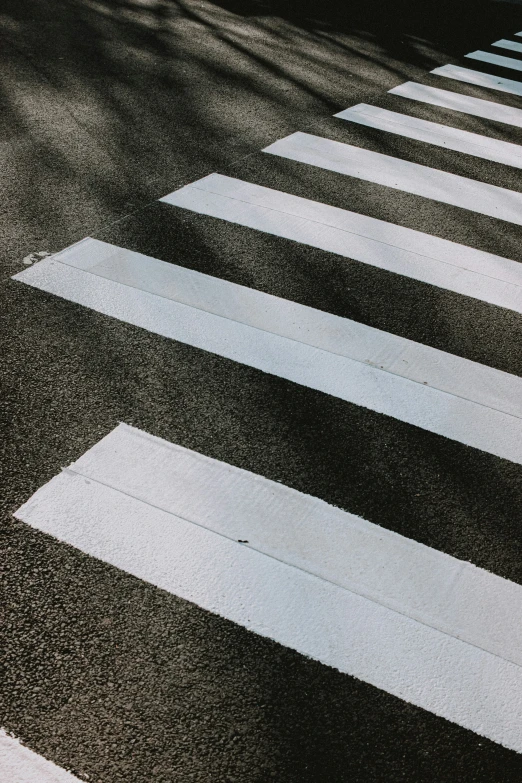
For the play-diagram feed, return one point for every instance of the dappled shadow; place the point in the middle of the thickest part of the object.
(108, 105)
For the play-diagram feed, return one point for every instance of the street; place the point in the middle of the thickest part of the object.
(261, 395)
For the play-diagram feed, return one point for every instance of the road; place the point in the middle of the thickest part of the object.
(284, 375)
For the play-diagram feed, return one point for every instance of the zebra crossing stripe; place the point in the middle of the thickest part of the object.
(18, 764)
(477, 107)
(388, 352)
(402, 175)
(513, 46)
(360, 383)
(420, 582)
(178, 526)
(479, 79)
(433, 133)
(496, 59)
(397, 249)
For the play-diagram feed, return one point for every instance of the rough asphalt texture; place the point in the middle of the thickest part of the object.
(108, 105)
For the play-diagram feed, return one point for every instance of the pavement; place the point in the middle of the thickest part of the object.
(108, 106)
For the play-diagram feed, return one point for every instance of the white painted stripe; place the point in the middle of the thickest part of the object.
(513, 46)
(388, 352)
(338, 627)
(18, 764)
(355, 382)
(401, 175)
(496, 59)
(438, 590)
(433, 133)
(461, 103)
(479, 79)
(401, 250)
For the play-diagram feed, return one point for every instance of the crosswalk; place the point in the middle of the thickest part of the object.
(433, 391)
(496, 59)
(513, 46)
(401, 175)
(479, 79)
(375, 587)
(466, 104)
(434, 133)
(371, 604)
(394, 248)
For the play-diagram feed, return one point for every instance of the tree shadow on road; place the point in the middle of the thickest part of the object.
(109, 104)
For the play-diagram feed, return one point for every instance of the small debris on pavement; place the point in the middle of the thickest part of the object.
(32, 258)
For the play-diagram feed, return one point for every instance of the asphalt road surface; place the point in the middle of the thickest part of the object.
(279, 354)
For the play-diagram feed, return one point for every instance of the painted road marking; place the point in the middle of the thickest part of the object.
(420, 582)
(18, 764)
(306, 612)
(479, 79)
(496, 59)
(388, 352)
(361, 384)
(401, 175)
(461, 103)
(432, 133)
(397, 249)
(513, 46)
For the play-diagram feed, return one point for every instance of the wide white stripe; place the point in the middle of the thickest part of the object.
(513, 46)
(496, 59)
(338, 627)
(18, 764)
(401, 175)
(453, 596)
(479, 79)
(401, 250)
(432, 133)
(462, 103)
(388, 352)
(355, 382)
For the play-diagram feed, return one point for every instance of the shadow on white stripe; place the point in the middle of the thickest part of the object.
(179, 533)
(461, 103)
(496, 59)
(433, 133)
(354, 381)
(404, 251)
(18, 764)
(513, 46)
(479, 79)
(401, 175)
(388, 352)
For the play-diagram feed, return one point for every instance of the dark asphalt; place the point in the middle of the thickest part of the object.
(108, 105)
